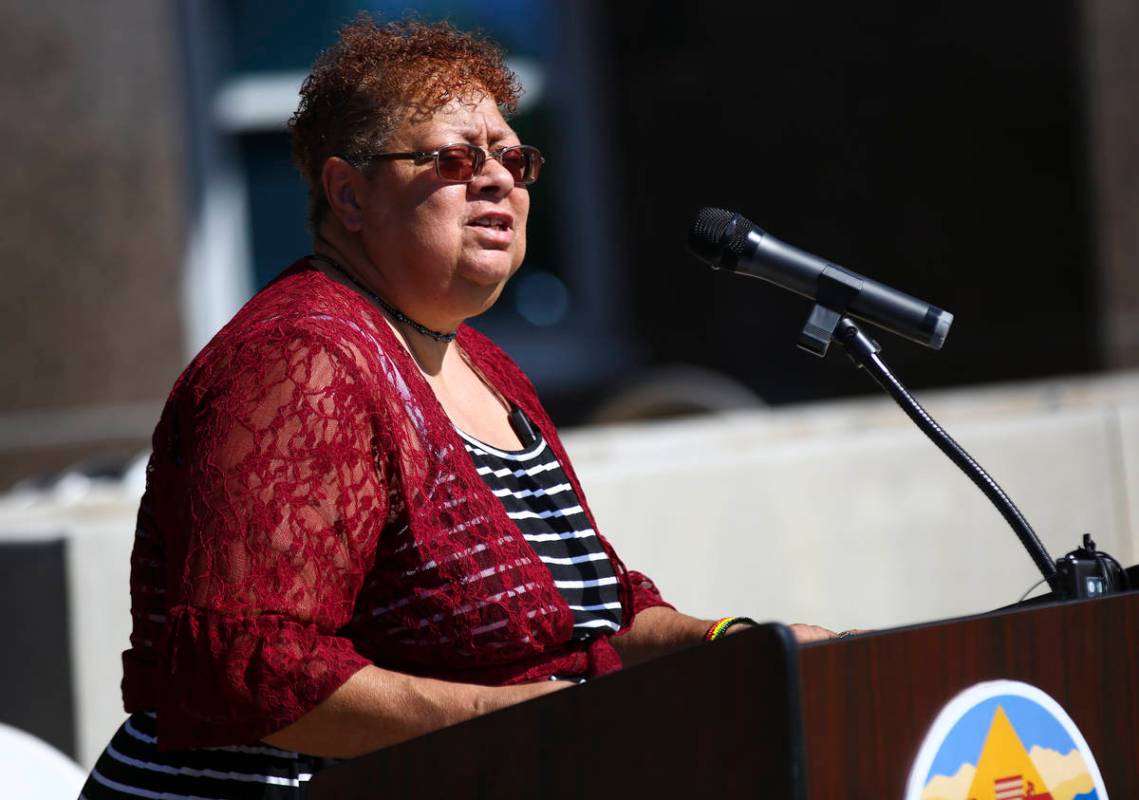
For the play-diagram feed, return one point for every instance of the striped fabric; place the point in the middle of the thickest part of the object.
(539, 498)
(132, 767)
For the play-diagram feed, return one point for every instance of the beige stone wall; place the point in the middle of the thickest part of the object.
(91, 222)
(1112, 73)
(845, 515)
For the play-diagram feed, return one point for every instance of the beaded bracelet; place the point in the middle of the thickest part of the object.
(720, 627)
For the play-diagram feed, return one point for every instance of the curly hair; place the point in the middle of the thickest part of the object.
(363, 86)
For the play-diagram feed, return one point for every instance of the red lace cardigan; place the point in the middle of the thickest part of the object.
(310, 510)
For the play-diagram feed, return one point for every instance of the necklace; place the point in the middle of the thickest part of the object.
(384, 304)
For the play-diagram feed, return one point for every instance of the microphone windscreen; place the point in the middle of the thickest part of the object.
(706, 237)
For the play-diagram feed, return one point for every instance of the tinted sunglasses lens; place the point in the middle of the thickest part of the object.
(458, 163)
(516, 163)
(523, 162)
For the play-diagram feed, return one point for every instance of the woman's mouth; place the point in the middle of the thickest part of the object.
(495, 227)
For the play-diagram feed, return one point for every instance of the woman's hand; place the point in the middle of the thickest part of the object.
(811, 633)
(658, 631)
(816, 633)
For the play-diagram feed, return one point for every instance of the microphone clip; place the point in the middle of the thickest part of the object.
(836, 289)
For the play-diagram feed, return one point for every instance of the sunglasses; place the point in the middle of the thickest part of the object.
(461, 162)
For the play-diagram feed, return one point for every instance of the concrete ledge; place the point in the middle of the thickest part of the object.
(844, 514)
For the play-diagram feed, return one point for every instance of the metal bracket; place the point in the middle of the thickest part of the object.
(835, 290)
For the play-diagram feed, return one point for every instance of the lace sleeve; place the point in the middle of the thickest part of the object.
(645, 593)
(286, 500)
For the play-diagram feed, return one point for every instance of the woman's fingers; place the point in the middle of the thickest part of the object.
(811, 633)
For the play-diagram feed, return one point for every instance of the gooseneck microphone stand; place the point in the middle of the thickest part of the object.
(864, 352)
(726, 240)
(1082, 573)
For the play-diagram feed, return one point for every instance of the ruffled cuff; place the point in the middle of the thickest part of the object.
(645, 593)
(229, 680)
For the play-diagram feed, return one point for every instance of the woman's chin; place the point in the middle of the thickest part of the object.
(489, 270)
(479, 296)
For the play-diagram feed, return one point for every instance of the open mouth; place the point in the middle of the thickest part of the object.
(499, 222)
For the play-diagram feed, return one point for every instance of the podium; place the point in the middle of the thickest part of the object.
(755, 715)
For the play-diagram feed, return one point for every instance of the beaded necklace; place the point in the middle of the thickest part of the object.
(384, 304)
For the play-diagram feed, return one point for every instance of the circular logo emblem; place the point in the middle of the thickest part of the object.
(1004, 740)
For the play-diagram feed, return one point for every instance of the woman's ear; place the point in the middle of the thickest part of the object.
(342, 182)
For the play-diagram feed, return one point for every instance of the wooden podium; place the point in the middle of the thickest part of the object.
(755, 716)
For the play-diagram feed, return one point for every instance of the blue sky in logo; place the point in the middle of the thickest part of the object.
(1033, 724)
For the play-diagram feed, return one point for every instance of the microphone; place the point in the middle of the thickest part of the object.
(727, 240)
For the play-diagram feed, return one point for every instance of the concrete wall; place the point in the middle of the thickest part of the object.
(96, 526)
(841, 514)
(91, 227)
(845, 515)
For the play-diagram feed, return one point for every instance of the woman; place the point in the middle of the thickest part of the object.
(359, 524)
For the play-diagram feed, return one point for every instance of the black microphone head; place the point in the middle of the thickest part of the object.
(718, 236)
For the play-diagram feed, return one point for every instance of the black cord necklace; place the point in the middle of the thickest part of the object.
(384, 304)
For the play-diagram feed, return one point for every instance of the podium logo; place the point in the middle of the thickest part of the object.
(1004, 740)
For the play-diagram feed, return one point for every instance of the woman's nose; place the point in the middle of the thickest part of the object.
(493, 177)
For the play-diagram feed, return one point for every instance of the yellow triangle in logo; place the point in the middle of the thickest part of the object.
(1005, 772)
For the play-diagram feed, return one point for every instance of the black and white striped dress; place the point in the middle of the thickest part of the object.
(133, 767)
(539, 498)
(537, 495)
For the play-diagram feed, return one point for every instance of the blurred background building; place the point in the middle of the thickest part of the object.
(980, 156)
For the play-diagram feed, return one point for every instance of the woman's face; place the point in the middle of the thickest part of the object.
(443, 251)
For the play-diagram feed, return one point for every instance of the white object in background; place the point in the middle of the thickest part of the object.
(32, 769)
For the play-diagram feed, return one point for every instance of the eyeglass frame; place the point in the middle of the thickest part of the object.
(421, 157)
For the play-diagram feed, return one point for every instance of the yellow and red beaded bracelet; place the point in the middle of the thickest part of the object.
(720, 627)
